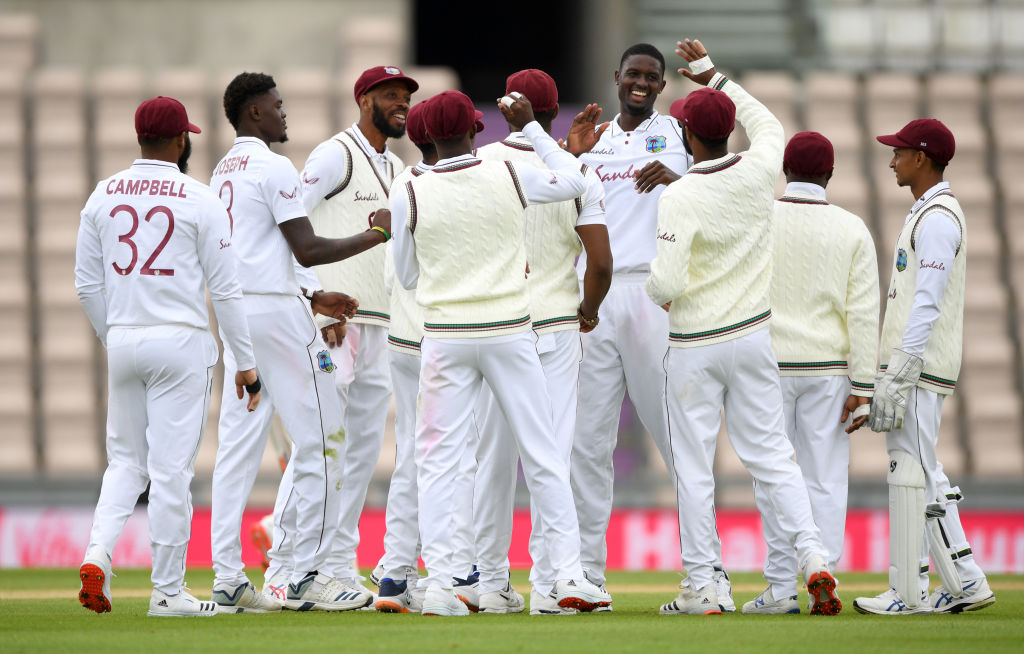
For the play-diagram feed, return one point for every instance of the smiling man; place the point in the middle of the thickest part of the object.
(636, 156)
(270, 231)
(345, 180)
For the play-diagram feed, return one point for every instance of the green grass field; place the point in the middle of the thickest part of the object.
(39, 611)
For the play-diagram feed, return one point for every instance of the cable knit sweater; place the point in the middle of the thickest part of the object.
(824, 294)
(714, 236)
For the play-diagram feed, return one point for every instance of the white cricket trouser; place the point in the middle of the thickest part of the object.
(451, 375)
(241, 440)
(159, 382)
(919, 436)
(498, 460)
(742, 375)
(812, 406)
(625, 352)
(297, 373)
(363, 387)
(401, 540)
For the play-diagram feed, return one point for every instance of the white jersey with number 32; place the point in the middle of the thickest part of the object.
(260, 190)
(149, 237)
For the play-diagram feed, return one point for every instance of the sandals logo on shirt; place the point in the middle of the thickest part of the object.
(656, 143)
(901, 260)
(324, 361)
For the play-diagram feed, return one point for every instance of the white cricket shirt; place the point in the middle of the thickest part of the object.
(632, 217)
(260, 190)
(150, 239)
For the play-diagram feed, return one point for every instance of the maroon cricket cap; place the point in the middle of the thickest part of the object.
(536, 85)
(450, 114)
(371, 77)
(925, 134)
(809, 154)
(707, 113)
(414, 126)
(162, 117)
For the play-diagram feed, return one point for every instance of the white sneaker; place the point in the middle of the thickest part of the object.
(377, 574)
(889, 603)
(600, 609)
(469, 592)
(243, 598)
(580, 594)
(276, 587)
(502, 601)
(547, 605)
(724, 588)
(443, 601)
(416, 596)
(821, 586)
(766, 603)
(322, 593)
(182, 605)
(693, 602)
(976, 596)
(95, 575)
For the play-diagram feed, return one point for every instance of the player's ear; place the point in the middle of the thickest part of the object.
(254, 112)
(616, 77)
(662, 87)
(555, 114)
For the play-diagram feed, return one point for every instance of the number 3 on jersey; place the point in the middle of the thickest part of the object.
(126, 238)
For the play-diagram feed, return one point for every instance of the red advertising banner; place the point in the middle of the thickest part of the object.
(637, 539)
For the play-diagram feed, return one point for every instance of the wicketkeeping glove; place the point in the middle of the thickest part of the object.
(889, 404)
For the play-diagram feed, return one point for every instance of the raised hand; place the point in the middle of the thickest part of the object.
(692, 51)
(584, 132)
(519, 113)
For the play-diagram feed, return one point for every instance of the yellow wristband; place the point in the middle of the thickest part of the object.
(378, 228)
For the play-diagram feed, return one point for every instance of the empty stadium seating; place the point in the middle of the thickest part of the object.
(79, 129)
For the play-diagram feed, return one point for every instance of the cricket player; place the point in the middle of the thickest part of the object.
(824, 333)
(712, 273)
(556, 234)
(461, 245)
(635, 156)
(345, 179)
(151, 242)
(262, 193)
(922, 336)
(397, 574)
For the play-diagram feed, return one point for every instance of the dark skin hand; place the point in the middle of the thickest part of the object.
(519, 114)
(334, 334)
(584, 132)
(245, 378)
(336, 305)
(652, 175)
(851, 405)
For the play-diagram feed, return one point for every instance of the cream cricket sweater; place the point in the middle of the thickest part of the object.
(405, 331)
(824, 293)
(944, 348)
(552, 245)
(345, 211)
(471, 253)
(714, 240)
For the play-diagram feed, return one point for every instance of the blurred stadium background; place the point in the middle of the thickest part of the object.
(73, 72)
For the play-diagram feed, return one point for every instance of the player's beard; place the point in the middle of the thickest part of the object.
(183, 159)
(380, 121)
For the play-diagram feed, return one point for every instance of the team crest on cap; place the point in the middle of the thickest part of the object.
(901, 260)
(655, 143)
(324, 361)
(392, 70)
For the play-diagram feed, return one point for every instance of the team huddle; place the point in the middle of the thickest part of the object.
(507, 297)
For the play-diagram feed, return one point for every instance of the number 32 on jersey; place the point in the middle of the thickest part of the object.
(126, 238)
